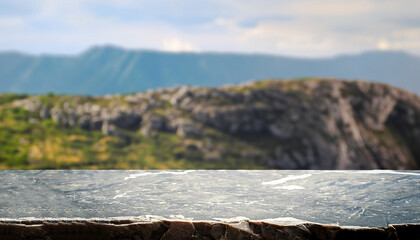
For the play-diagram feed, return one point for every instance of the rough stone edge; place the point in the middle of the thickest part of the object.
(159, 228)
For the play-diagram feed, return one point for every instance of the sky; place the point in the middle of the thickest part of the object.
(302, 28)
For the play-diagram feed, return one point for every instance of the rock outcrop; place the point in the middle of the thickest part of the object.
(295, 124)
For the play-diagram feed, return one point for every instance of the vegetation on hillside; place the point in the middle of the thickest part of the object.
(299, 123)
(29, 142)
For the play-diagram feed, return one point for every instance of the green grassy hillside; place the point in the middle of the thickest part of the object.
(295, 124)
(30, 142)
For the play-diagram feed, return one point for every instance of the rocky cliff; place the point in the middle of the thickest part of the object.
(293, 124)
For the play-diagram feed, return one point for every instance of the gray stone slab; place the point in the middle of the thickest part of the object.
(346, 198)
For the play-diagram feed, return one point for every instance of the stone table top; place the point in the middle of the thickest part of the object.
(347, 198)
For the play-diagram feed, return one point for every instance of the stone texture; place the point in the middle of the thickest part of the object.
(209, 205)
(187, 230)
(315, 124)
(349, 198)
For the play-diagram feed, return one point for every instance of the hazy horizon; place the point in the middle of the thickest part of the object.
(308, 29)
(93, 47)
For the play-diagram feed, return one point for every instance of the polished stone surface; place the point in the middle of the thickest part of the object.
(347, 198)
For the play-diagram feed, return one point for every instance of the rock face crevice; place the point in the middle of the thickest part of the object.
(187, 230)
(295, 124)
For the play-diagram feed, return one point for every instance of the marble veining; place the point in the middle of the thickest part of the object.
(346, 198)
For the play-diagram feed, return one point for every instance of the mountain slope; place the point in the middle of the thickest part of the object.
(107, 70)
(295, 124)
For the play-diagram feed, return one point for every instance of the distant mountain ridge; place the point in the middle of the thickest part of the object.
(109, 70)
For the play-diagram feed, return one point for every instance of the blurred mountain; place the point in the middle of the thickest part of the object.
(294, 124)
(108, 70)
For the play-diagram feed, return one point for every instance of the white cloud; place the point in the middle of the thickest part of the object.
(11, 22)
(300, 27)
(383, 45)
(229, 23)
(404, 39)
(328, 8)
(176, 45)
